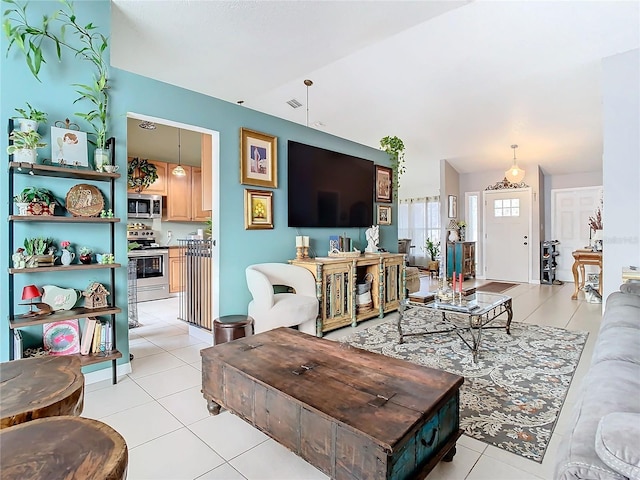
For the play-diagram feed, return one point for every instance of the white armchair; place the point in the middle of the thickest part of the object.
(271, 310)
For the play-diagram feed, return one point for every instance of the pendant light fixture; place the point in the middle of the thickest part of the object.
(308, 83)
(515, 174)
(179, 171)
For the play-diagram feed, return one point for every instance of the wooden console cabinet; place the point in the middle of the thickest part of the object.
(336, 279)
(461, 258)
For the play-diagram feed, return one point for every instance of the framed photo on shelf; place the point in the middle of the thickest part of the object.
(69, 147)
(384, 184)
(384, 215)
(258, 209)
(258, 159)
(453, 206)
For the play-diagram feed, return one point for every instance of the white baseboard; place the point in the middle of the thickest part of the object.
(105, 373)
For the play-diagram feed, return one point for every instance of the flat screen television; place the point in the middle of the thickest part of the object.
(329, 189)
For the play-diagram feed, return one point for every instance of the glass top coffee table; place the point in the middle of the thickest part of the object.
(480, 309)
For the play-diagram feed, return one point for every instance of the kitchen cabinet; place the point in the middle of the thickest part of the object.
(55, 226)
(176, 269)
(159, 187)
(184, 197)
(206, 162)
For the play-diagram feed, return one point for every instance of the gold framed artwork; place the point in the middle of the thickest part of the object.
(258, 159)
(384, 190)
(258, 209)
(384, 215)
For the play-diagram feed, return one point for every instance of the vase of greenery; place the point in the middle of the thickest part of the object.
(30, 118)
(89, 45)
(395, 148)
(24, 146)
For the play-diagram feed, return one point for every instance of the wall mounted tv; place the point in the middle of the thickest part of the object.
(329, 189)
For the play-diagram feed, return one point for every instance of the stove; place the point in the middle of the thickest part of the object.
(151, 263)
(143, 236)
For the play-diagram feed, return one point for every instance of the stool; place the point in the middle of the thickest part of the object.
(62, 447)
(231, 327)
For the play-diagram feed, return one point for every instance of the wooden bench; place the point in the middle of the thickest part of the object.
(351, 413)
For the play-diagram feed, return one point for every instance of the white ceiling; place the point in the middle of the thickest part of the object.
(455, 80)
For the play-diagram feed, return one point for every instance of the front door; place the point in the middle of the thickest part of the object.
(507, 227)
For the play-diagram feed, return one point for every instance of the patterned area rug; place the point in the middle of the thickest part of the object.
(512, 397)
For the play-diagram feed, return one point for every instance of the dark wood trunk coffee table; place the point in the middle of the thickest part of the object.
(351, 413)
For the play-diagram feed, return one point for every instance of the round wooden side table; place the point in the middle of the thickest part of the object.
(62, 447)
(40, 387)
(231, 327)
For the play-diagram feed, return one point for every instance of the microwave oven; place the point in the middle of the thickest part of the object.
(140, 205)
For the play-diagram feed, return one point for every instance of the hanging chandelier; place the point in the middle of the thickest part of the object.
(515, 174)
(179, 171)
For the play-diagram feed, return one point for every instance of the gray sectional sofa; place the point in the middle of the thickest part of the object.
(604, 442)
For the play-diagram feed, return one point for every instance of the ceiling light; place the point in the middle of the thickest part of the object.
(179, 171)
(308, 83)
(147, 125)
(515, 174)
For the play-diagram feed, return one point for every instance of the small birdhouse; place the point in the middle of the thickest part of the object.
(95, 296)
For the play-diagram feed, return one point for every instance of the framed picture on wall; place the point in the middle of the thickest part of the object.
(384, 190)
(453, 206)
(384, 215)
(69, 147)
(258, 209)
(258, 159)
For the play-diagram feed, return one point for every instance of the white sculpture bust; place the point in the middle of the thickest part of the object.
(373, 237)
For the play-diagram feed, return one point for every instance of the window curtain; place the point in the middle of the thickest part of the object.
(419, 219)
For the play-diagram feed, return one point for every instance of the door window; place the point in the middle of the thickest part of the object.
(508, 207)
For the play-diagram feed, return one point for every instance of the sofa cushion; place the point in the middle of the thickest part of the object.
(620, 343)
(618, 443)
(609, 386)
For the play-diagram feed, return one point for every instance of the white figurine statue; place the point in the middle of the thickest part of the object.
(373, 237)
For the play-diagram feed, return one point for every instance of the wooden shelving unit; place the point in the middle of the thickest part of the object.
(22, 321)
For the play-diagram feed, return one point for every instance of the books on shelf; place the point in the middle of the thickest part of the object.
(96, 337)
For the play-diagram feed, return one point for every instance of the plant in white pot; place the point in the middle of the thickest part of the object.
(24, 146)
(22, 202)
(86, 43)
(40, 201)
(30, 118)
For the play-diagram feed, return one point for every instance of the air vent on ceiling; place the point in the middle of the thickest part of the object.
(293, 103)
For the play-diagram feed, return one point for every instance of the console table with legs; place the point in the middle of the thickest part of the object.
(580, 259)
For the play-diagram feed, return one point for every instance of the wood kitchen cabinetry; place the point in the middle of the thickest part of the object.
(336, 279)
(184, 197)
(176, 267)
(159, 187)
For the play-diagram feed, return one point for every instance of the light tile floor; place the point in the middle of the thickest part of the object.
(160, 411)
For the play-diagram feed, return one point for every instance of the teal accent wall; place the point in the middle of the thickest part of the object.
(238, 247)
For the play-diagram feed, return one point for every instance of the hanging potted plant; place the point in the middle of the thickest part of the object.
(29, 37)
(395, 148)
(24, 146)
(29, 120)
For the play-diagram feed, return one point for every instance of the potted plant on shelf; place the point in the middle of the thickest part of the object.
(40, 201)
(433, 249)
(22, 202)
(395, 148)
(85, 255)
(30, 119)
(90, 45)
(66, 256)
(39, 251)
(24, 146)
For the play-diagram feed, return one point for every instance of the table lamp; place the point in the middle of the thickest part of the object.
(30, 292)
(453, 230)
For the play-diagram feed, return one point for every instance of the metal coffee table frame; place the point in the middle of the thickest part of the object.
(489, 307)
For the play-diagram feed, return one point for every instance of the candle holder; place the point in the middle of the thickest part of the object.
(299, 253)
(305, 252)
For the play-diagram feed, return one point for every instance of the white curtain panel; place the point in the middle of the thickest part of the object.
(419, 219)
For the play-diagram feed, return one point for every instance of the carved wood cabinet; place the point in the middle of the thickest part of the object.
(336, 280)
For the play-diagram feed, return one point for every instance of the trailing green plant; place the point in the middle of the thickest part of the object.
(32, 114)
(24, 140)
(91, 46)
(395, 148)
(37, 194)
(85, 251)
(433, 248)
(141, 174)
(37, 245)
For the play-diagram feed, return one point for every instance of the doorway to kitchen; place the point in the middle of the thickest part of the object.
(172, 144)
